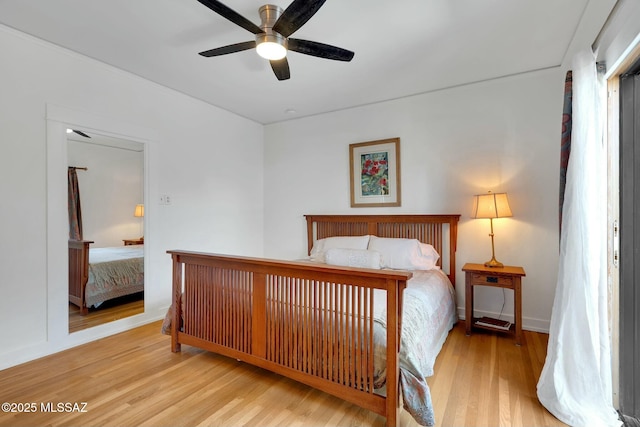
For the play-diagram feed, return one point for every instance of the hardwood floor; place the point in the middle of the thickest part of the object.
(108, 311)
(486, 380)
(133, 379)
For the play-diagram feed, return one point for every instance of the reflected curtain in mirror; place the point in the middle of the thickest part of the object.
(73, 205)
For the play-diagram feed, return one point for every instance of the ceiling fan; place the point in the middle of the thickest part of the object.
(272, 36)
(79, 132)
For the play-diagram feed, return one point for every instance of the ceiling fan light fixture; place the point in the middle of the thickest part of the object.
(271, 46)
(272, 36)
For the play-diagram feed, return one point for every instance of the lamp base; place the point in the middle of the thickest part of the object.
(494, 263)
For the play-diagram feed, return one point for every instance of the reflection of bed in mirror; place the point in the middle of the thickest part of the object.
(97, 275)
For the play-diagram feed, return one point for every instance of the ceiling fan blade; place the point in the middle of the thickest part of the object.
(232, 48)
(280, 68)
(79, 132)
(296, 15)
(231, 15)
(320, 50)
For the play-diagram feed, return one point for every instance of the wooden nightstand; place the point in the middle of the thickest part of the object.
(504, 277)
(139, 241)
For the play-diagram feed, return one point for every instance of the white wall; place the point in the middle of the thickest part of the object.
(110, 188)
(193, 153)
(500, 135)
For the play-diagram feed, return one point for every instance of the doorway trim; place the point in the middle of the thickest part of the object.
(629, 240)
(629, 57)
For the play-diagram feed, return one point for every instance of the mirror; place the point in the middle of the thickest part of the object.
(106, 266)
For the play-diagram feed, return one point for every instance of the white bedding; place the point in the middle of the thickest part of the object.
(429, 313)
(116, 253)
(114, 272)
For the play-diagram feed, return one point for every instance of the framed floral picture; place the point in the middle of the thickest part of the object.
(375, 173)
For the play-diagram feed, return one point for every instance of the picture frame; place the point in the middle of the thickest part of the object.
(375, 173)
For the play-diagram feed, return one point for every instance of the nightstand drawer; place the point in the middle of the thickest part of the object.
(483, 279)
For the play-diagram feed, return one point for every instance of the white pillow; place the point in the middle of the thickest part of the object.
(404, 254)
(320, 247)
(353, 258)
(429, 252)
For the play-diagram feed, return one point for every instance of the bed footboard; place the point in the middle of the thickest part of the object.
(311, 323)
(78, 272)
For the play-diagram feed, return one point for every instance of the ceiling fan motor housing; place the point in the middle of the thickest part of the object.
(269, 14)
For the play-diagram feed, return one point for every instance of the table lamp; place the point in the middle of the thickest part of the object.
(491, 205)
(139, 213)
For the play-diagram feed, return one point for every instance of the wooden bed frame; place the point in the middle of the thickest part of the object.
(79, 273)
(309, 322)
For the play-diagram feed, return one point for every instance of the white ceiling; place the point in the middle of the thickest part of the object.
(401, 48)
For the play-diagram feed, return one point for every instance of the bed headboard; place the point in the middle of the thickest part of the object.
(440, 231)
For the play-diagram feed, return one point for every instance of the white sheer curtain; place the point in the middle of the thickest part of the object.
(575, 384)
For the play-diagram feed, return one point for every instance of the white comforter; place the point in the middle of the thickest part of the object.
(429, 313)
(97, 255)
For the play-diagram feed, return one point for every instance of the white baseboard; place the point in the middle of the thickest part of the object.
(46, 348)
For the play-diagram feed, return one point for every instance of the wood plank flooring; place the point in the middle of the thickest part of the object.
(133, 379)
(108, 311)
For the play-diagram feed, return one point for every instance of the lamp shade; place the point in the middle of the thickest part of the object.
(139, 211)
(491, 205)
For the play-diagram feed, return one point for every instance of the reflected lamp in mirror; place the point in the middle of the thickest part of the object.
(491, 205)
(138, 212)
